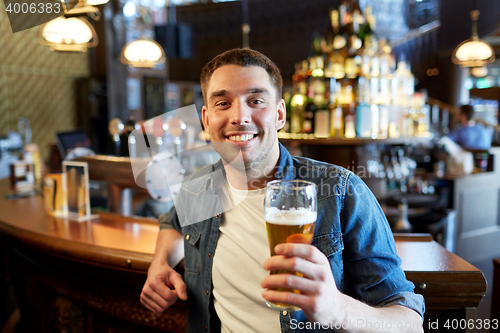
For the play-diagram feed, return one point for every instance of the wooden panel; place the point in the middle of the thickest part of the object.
(115, 170)
(473, 208)
(37, 83)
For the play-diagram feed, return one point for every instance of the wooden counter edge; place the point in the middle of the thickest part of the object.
(87, 253)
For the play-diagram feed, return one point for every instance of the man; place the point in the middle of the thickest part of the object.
(468, 134)
(351, 280)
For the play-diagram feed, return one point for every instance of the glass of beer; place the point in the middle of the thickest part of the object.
(290, 214)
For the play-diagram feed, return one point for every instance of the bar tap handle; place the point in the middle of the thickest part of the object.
(115, 128)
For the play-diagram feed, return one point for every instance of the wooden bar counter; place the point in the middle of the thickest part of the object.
(74, 276)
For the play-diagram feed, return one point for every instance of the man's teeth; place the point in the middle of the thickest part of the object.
(241, 138)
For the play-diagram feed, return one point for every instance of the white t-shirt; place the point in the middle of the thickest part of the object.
(238, 268)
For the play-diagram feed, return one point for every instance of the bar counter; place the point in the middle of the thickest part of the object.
(90, 274)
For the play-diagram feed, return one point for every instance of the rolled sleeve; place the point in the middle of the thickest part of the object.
(170, 220)
(406, 299)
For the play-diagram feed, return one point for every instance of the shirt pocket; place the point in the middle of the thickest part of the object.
(329, 244)
(192, 255)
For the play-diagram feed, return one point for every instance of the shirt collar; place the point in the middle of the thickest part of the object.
(285, 168)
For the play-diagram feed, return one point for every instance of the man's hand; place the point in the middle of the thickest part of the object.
(318, 292)
(162, 288)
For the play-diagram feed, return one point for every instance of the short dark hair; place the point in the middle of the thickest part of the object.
(468, 111)
(242, 57)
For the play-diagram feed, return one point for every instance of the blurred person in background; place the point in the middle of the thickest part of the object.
(468, 134)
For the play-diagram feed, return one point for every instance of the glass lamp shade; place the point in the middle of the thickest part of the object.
(97, 2)
(479, 71)
(142, 53)
(473, 52)
(68, 34)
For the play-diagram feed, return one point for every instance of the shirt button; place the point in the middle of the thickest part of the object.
(285, 313)
(187, 237)
(206, 292)
(209, 255)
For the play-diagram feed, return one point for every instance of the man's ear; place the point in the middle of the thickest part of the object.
(281, 115)
(204, 117)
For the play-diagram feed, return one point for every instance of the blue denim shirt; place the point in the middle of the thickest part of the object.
(351, 230)
(472, 137)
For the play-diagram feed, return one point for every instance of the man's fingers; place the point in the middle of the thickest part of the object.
(305, 286)
(304, 251)
(286, 297)
(295, 264)
(150, 304)
(179, 285)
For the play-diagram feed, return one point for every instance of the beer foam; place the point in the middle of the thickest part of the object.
(293, 216)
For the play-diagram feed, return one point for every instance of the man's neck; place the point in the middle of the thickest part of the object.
(252, 179)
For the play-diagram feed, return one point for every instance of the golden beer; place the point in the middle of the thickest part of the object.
(288, 227)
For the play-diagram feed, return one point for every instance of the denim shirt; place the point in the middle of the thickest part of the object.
(351, 230)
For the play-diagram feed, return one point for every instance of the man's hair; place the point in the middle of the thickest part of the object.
(468, 111)
(244, 58)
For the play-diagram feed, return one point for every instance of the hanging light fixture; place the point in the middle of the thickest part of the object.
(473, 52)
(143, 53)
(73, 8)
(68, 34)
(479, 71)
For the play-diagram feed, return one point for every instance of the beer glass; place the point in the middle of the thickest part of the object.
(290, 214)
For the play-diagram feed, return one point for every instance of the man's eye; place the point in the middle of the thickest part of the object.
(222, 104)
(256, 101)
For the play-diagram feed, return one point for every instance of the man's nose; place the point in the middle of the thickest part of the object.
(240, 114)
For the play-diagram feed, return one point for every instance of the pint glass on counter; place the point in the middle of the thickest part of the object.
(290, 214)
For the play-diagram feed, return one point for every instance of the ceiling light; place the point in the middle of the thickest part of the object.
(68, 34)
(479, 71)
(144, 53)
(473, 52)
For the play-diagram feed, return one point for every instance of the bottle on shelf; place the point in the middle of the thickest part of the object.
(287, 96)
(309, 112)
(335, 43)
(350, 131)
(363, 115)
(322, 121)
(297, 104)
(336, 114)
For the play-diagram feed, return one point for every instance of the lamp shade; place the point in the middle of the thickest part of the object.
(479, 71)
(68, 34)
(473, 52)
(143, 53)
(97, 2)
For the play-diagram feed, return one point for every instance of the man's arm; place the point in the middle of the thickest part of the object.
(320, 299)
(164, 285)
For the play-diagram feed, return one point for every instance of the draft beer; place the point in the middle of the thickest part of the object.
(290, 214)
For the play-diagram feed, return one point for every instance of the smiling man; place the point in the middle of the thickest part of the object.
(352, 279)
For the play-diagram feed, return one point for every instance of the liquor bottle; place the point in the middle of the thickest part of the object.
(336, 116)
(363, 123)
(322, 121)
(287, 96)
(297, 105)
(366, 29)
(356, 20)
(309, 112)
(334, 39)
(336, 44)
(350, 131)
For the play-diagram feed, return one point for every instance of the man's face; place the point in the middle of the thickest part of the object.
(460, 117)
(243, 113)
